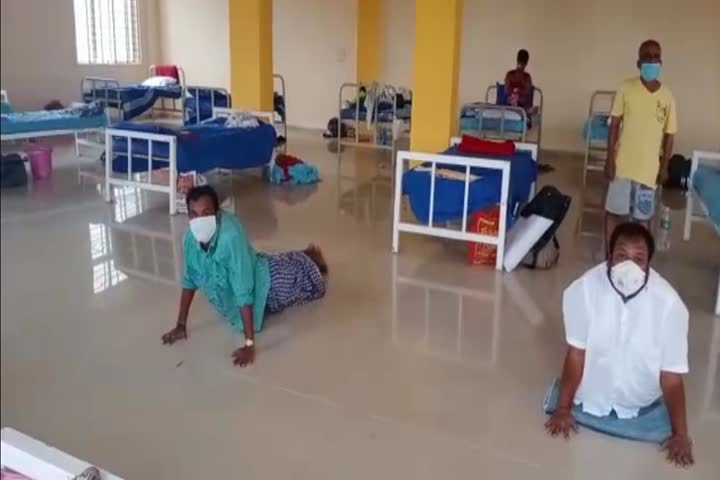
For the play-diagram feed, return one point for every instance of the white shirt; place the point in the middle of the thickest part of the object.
(626, 345)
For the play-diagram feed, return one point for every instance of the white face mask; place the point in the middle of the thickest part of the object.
(203, 228)
(627, 278)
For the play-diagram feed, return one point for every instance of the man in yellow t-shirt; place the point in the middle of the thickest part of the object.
(639, 153)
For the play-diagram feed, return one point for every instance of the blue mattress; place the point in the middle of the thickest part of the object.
(706, 183)
(483, 192)
(44, 120)
(200, 147)
(133, 100)
(597, 128)
(206, 99)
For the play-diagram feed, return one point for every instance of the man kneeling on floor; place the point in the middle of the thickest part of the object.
(240, 283)
(626, 330)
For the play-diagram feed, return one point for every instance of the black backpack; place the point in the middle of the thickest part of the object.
(12, 171)
(678, 172)
(332, 129)
(554, 205)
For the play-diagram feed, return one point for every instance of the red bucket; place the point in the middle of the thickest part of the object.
(40, 157)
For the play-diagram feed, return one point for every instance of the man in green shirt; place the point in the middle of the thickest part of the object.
(241, 284)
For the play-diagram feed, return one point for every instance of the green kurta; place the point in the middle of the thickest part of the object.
(230, 273)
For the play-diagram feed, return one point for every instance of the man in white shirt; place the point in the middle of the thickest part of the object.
(626, 330)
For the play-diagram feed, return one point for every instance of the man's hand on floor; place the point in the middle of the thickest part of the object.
(244, 356)
(678, 449)
(177, 333)
(562, 423)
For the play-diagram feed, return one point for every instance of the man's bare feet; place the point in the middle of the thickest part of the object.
(316, 255)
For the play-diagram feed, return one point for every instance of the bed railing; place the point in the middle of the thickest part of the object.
(283, 92)
(430, 228)
(373, 116)
(504, 110)
(152, 71)
(195, 90)
(110, 97)
(600, 105)
(698, 158)
(136, 179)
(538, 105)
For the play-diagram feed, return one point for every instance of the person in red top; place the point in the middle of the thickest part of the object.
(518, 83)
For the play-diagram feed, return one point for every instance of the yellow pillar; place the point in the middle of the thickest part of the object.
(438, 32)
(369, 39)
(251, 54)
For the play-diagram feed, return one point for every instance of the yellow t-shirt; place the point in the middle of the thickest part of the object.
(646, 118)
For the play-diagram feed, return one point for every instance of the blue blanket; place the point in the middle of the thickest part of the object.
(91, 116)
(706, 183)
(133, 100)
(483, 192)
(200, 147)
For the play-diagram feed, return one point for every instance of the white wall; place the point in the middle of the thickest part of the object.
(195, 34)
(578, 46)
(38, 60)
(313, 44)
(398, 32)
(314, 49)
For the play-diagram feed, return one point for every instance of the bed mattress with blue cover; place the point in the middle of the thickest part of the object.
(133, 100)
(384, 113)
(201, 147)
(597, 128)
(82, 118)
(483, 192)
(706, 183)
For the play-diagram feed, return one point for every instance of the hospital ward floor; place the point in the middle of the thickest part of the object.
(414, 366)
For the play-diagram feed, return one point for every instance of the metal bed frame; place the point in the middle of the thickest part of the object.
(283, 92)
(376, 123)
(144, 181)
(91, 85)
(83, 136)
(595, 147)
(434, 159)
(488, 104)
(692, 198)
(194, 91)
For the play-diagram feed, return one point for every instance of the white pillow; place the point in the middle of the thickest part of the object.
(521, 238)
(159, 81)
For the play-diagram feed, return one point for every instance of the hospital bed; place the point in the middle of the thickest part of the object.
(137, 151)
(704, 191)
(387, 122)
(201, 100)
(495, 120)
(85, 123)
(486, 181)
(596, 131)
(131, 101)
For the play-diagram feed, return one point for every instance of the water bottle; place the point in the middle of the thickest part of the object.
(663, 234)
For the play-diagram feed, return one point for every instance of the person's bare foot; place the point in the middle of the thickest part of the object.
(316, 255)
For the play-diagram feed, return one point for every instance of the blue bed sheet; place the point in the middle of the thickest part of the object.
(200, 147)
(706, 183)
(206, 99)
(133, 100)
(44, 120)
(483, 192)
(597, 128)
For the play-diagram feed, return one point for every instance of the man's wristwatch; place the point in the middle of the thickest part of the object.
(249, 342)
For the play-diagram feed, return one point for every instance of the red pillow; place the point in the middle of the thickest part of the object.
(470, 144)
(167, 71)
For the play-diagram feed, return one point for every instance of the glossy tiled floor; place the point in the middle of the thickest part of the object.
(414, 366)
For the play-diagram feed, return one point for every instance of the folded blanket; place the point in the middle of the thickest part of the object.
(474, 145)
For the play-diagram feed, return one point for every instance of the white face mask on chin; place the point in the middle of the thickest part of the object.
(203, 228)
(627, 278)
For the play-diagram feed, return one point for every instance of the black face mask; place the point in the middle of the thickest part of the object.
(627, 297)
